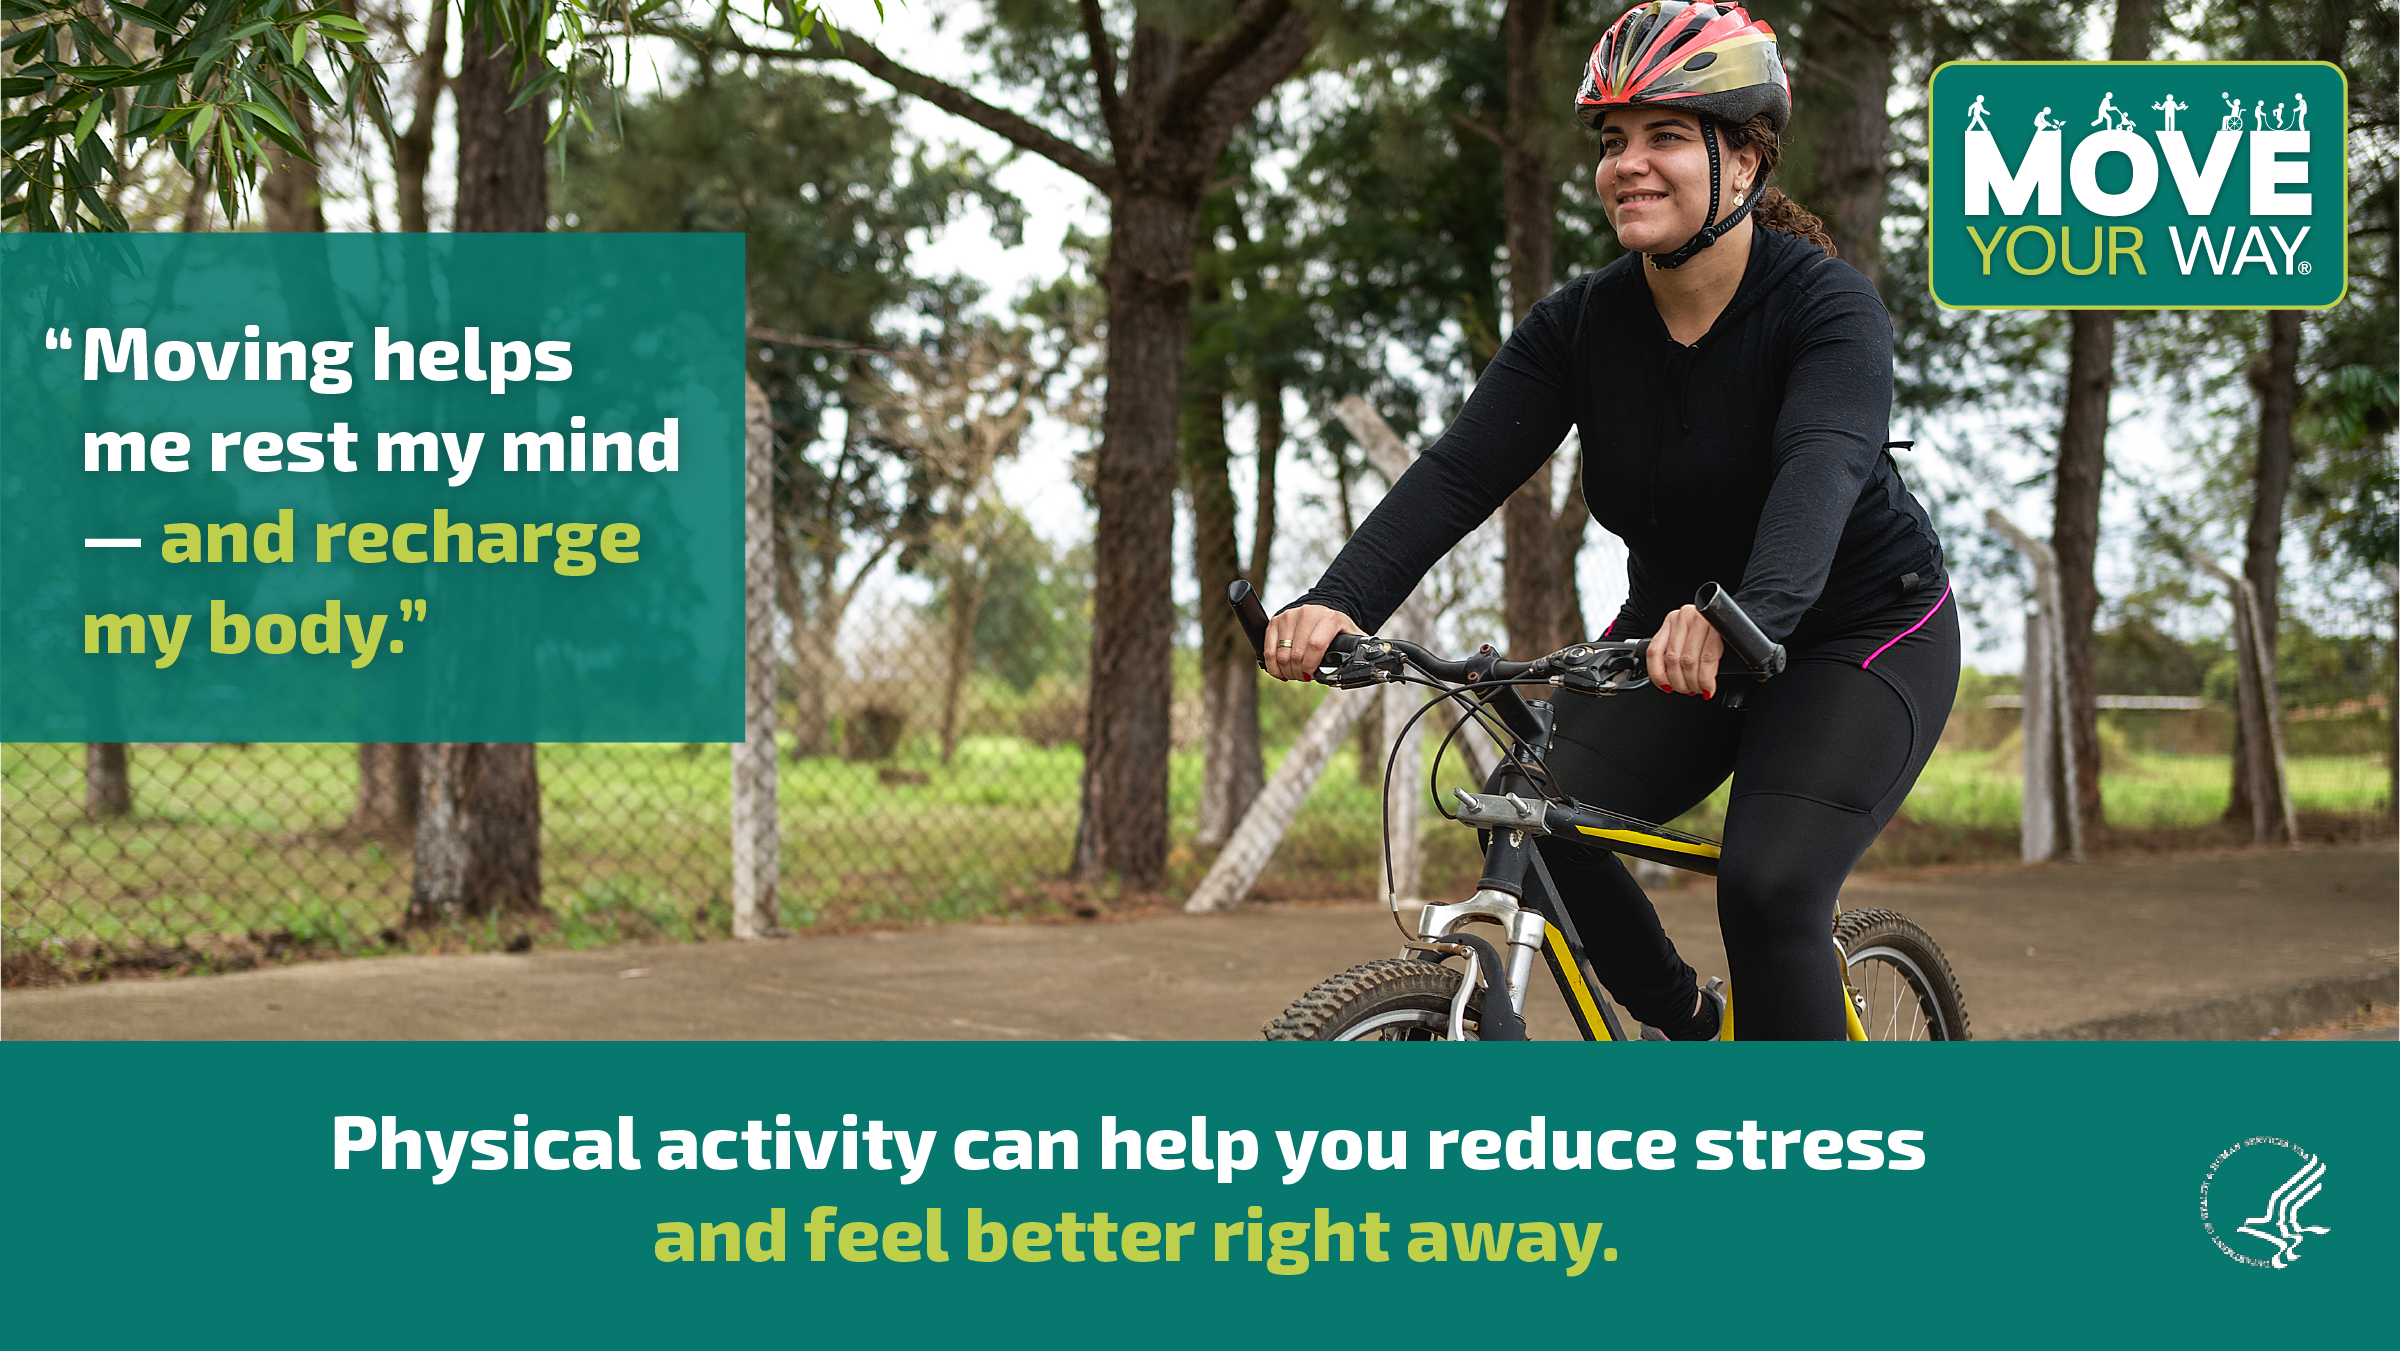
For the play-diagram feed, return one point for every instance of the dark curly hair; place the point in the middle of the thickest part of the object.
(1772, 209)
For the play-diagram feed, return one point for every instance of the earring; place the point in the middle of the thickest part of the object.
(1737, 199)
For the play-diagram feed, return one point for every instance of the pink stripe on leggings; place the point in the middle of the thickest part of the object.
(1870, 661)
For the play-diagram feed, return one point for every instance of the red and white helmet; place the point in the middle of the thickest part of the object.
(1709, 58)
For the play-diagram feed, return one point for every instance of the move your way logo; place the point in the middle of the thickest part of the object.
(2244, 1178)
(2138, 185)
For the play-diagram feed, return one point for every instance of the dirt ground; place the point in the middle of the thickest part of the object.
(2222, 945)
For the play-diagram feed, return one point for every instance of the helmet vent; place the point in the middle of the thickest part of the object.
(1701, 62)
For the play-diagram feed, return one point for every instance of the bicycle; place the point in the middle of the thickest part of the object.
(1897, 984)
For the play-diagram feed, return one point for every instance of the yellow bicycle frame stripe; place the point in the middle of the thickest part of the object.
(1585, 1006)
(1654, 841)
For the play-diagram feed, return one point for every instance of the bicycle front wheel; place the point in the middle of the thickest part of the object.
(1395, 999)
(1899, 979)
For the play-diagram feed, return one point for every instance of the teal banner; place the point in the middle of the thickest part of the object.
(2137, 185)
(371, 487)
(1202, 1195)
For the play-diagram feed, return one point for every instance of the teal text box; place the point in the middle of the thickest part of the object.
(440, 587)
(2143, 188)
(2059, 1202)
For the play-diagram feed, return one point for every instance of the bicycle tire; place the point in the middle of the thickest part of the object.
(1899, 975)
(1393, 999)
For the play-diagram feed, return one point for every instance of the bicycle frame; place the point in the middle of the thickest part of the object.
(1538, 921)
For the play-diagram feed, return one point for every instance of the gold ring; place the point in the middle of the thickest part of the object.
(1284, 644)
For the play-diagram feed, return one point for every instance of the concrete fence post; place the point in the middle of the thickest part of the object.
(2052, 826)
(757, 841)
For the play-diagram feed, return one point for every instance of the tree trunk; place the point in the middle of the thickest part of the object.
(479, 846)
(1151, 241)
(1270, 449)
(966, 605)
(479, 828)
(1226, 661)
(1534, 575)
(389, 789)
(412, 150)
(290, 190)
(2082, 465)
(503, 180)
(2075, 536)
(1841, 83)
(107, 787)
(2274, 374)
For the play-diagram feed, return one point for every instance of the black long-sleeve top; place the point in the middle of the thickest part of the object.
(1753, 456)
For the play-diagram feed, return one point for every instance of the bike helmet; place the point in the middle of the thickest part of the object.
(1714, 60)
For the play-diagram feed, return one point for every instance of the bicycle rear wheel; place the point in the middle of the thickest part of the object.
(1901, 982)
(1395, 999)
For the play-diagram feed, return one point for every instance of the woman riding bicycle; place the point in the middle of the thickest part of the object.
(1732, 386)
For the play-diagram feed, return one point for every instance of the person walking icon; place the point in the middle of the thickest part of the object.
(2170, 108)
(2108, 108)
(2258, 115)
(2300, 113)
(1975, 115)
(2233, 118)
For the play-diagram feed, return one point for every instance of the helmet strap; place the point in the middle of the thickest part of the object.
(1711, 230)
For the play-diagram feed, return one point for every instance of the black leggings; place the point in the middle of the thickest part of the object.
(1821, 758)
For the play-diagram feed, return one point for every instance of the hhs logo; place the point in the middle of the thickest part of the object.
(2099, 185)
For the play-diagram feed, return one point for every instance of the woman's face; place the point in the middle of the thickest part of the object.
(1653, 178)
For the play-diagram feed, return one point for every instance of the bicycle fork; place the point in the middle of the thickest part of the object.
(1530, 925)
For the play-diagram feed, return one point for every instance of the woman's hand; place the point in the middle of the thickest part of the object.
(1296, 639)
(1683, 657)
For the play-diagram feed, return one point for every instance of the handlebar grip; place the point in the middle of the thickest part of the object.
(1244, 600)
(1742, 636)
(1343, 644)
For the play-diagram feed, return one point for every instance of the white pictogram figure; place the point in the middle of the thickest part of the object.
(2170, 107)
(2278, 117)
(2283, 1211)
(2233, 119)
(1975, 113)
(2042, 123)
(2108, 108)
(2300, 112)
(2258, 115)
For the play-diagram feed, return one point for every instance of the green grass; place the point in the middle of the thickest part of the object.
(232, 845)
(1985, 790)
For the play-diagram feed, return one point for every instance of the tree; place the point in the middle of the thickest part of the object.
(1249, 324)
(2316, 30)
(412, 147)
(1145, 134)
(964, 405)
(826, 190)
(478, 847)
(2082, 464)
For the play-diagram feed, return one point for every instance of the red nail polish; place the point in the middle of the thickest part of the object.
(1710, 695)
(1668, 688)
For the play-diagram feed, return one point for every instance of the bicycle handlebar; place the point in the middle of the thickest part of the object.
(1742, 638)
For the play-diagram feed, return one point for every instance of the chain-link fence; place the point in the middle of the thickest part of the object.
(902, 798)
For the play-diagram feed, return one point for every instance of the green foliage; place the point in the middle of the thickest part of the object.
(1036, 617)
(86, 85)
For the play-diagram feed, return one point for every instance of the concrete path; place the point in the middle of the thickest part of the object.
(2223, 945)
